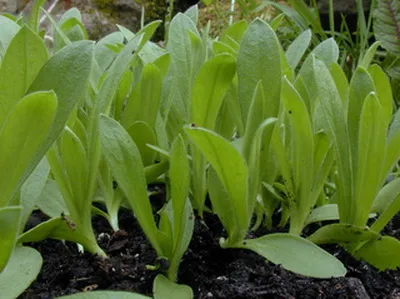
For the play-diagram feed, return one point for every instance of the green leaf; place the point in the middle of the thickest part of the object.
(67, 73)
(371, 149)
(338, 233)
(21, 271)
(327, 212)
(165, 289)
(21, 138)
(297, 48)
(386, 25)
(41, 231)
(10, 223)
(231, 169)
(367, 59)
(51, 201)
(20, 65)
(259, 60)
(32, 188)
(211, 83)
(142, 134)
(382, 253)
(386, 195)
(297, 255)
(144, 101)
(105, 295)
(126, 166)
(7, 32)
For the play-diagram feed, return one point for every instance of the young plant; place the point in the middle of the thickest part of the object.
(367, 146)
(172, 236)
(34, 110)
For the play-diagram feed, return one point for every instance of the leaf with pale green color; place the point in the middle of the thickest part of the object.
(144, 100)
(142, 134)
(371, 149)
(103, 55)
(382, 253)
(105, 295)
(386, 195)
(32, 189)
(51, 201)
(296, 254)
(75, 166)
(327, 212)
(297, 48)
(259, 60)
(20, 65)
(338, 233)
(193, 13)
(8, 29)
(21, 137)
(342, 84)
(383, 91)
(126, 165)
(231, 169)
(21, 271)
(163, 288)
(369, 55)
(10, 218)
(211, 83)
(41, 231)
(390, 197)
(67, 73)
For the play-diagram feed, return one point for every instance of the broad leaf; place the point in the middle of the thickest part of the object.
(165, 289)
(10, 224)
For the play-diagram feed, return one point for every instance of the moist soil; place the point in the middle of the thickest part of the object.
(211, 271)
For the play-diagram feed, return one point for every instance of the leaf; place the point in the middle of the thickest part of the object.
(41, 231)
(259, 60)
(386, 195)
(144, 101)
(105, 295)
(20, 65)
(382, 253)
(212, 80)
(126, 166)
(8, 29)
(67, 73)
(371, 149)
(387, 24)
(230, 167)
(297, 255)
(142, 134)
(165, 289)
(32, 188)
(369, 55)
(21, 138)
(297, 48)
(342, 233)
(10, 224)
(21, 271)
(327, 212)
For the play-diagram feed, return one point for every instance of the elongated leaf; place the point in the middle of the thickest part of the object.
(371, 149)
(20, 65)
(105, 295)
(10, 224)
(165, 289)
(32, 188)
(297, 48)
(211, 83)
(145, 98)
(51, 201)
(75, 167)
(259, 60)
(367, 59)
(230, 167)
(386, 195)
(341, 233)
(41, 231)
(382, 253)
(8, 30)
(297, 255)
(126, 165)
(21, 271)
(387, 23)
(67, 73)
(142, 134)
(21, 137)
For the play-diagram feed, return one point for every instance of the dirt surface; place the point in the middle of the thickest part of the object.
(212, 272)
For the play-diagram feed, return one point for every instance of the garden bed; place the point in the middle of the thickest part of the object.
(211, 271)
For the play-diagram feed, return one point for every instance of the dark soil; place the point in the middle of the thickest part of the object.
(212, 272)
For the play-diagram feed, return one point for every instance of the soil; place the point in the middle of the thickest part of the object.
(212, 272)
